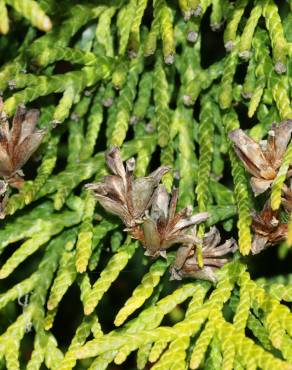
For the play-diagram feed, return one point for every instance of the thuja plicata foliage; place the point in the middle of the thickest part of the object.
(145, 164)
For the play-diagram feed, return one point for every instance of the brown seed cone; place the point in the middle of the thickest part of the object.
(214, 257)
(163, 227)
(268, 230)
(121, 193)
(262, 160)
(18, 143)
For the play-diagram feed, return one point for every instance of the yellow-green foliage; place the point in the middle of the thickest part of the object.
(141, 74)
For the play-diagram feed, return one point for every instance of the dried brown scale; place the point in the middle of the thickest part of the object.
(186, 265)
(163, 227)
(122, 194)
(287, 197)
(268, 230)
(263, 160)
(18, 143)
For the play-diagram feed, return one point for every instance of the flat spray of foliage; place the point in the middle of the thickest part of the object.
(129, 73)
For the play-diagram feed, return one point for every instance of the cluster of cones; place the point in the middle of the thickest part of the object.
(149, 214)
(263, 161)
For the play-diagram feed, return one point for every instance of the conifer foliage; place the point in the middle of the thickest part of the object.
(145, 165)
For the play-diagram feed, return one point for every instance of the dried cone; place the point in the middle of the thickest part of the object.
(122, 194)
(18, 143)
(268, 230)
(263, 159)
(163, 227)
(186, 266)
